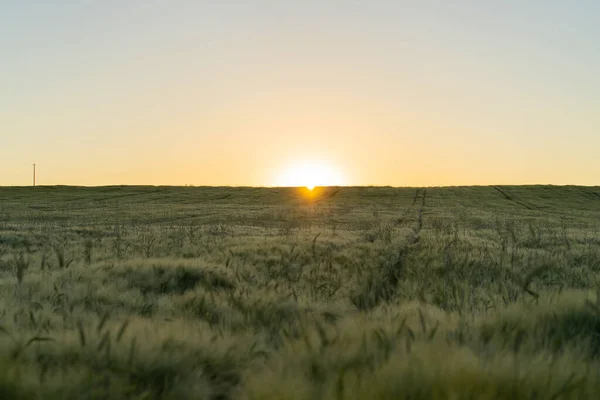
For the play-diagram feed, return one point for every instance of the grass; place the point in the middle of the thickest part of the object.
(346, 293)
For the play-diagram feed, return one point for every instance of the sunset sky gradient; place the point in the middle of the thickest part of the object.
(402, 93)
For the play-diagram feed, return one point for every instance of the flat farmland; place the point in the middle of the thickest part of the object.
(487, 292)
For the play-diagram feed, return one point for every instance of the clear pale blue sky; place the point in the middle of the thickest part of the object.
(232, 92)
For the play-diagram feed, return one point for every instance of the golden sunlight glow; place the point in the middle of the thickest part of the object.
(310, 175)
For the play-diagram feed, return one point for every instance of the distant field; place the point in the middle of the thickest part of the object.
(339, 293)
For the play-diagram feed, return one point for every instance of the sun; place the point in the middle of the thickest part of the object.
(310, 175)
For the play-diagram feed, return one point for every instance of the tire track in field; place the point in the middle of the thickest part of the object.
(508, 197)
(393, 274)
(416, 197)
(502, 192)
(327, 196)
(590, 194)
(419, 226)
(117, 196)
(419, 194)
(402, 218)
(387, 279)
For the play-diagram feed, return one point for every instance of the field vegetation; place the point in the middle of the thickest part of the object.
(281, 293)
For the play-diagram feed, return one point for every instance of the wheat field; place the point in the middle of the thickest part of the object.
(284, 293)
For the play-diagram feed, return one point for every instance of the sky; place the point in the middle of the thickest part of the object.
(400, 93)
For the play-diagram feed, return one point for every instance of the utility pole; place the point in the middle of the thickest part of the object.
(33, 174)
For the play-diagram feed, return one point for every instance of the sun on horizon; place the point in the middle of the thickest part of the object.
(310, 175)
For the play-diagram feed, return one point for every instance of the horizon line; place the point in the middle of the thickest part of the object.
(291, 187)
